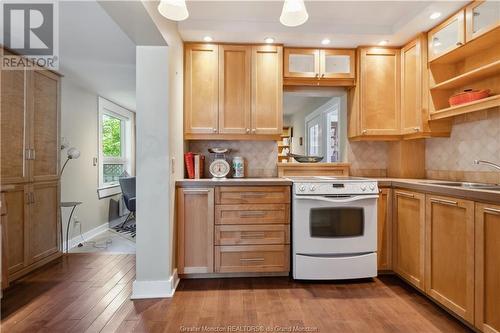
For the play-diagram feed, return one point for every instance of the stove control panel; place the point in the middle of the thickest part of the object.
(337, 188)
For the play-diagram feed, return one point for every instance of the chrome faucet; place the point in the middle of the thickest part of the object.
(491, 164)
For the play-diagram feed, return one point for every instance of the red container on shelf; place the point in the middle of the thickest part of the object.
(468, 96)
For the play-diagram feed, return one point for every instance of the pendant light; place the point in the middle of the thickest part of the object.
(175, 10)
(294, 13)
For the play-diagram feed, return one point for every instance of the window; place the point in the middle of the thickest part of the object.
(116, 145)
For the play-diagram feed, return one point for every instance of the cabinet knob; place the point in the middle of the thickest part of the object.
(416, 129)
(322, 75)
(364, 131)
(459, 43)
(215, 130)
(248, 130)
(317, 75)
(253, 130)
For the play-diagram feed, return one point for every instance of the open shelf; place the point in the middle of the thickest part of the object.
(477, 74)
(456, 110)
(472, 47)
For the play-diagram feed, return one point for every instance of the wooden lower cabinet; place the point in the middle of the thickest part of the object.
(44, 221)
(195, 226)
(449, 271)
(384, 230)
(487, 266)
(409, 235)
(233, 229)
(252, 258)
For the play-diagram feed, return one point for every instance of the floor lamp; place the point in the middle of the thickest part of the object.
(72, 154)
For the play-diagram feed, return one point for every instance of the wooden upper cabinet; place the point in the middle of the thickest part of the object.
(379, 111)
(481, 17)
(334, 64)
(487, 266)
(201, 84)
(45, 130)
(447, 36)
(235, 63)
(267, 89)
(195, 227)
(411, 87)
(384, 230)
(14, 167)
(303, 63)
(450, 254)
(409, 236)
(43, 223)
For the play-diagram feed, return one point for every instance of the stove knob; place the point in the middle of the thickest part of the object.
(302, 188)
(363, 188)
(372, 187)
(312, 188)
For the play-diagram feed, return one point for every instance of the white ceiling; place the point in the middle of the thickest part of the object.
(296, 103)
(345, 23)
(95, 53)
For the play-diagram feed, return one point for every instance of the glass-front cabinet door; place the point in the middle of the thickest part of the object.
(302, 63)
(481, 17)
(337, 63)
(447, 36)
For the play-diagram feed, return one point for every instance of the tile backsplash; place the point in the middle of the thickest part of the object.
(260, 156)
(474, 136)
(367, 159)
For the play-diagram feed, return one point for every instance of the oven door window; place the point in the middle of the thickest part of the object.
(336, 222)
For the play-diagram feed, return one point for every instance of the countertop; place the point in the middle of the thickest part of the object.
(421, 185)
(234, 182)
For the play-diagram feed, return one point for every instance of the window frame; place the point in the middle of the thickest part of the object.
(127, 149)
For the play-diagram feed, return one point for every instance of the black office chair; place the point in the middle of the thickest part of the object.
(128, 191)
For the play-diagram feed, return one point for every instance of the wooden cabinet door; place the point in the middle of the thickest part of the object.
(17, 202)
(267, 89)
(384, 230)
(43, 106)
(303, 63)
(337, 64)
(234, 89)
(450, 254)
(380, 86)
(201, 84)
(409, 236)
(195, 225)
(411, 87)
(447, 36)
(487, 265)
(481, 17)
(44, 221)
(14, 166)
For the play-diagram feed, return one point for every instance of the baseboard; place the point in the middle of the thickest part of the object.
(155, 289)
(73, 242)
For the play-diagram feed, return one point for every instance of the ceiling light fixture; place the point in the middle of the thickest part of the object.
(383, 42)
(269, 40)
(325, 41)
(435, 15)
(294, 13)
(175, 10)
(208, 39)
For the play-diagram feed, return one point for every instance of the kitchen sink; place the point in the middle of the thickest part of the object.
(476, 186)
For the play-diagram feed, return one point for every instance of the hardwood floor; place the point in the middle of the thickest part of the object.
(89, 292)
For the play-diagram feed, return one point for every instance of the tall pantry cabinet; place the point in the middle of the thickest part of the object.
(30, 121)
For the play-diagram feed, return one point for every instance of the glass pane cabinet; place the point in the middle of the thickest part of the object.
(447, 36)
(318, 64)
(481, 17)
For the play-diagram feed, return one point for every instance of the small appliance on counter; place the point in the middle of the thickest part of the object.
(334, 228)
(219, 168)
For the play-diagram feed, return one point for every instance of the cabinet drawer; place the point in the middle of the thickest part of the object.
(252, 194)
(252, 234)
(252, 258)
(252, 214)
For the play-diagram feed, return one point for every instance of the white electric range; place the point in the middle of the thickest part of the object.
(334, 228)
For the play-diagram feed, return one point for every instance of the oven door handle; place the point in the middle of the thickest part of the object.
(348, 199)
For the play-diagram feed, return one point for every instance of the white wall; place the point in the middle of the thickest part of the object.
(79, 126)
(154, 235)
